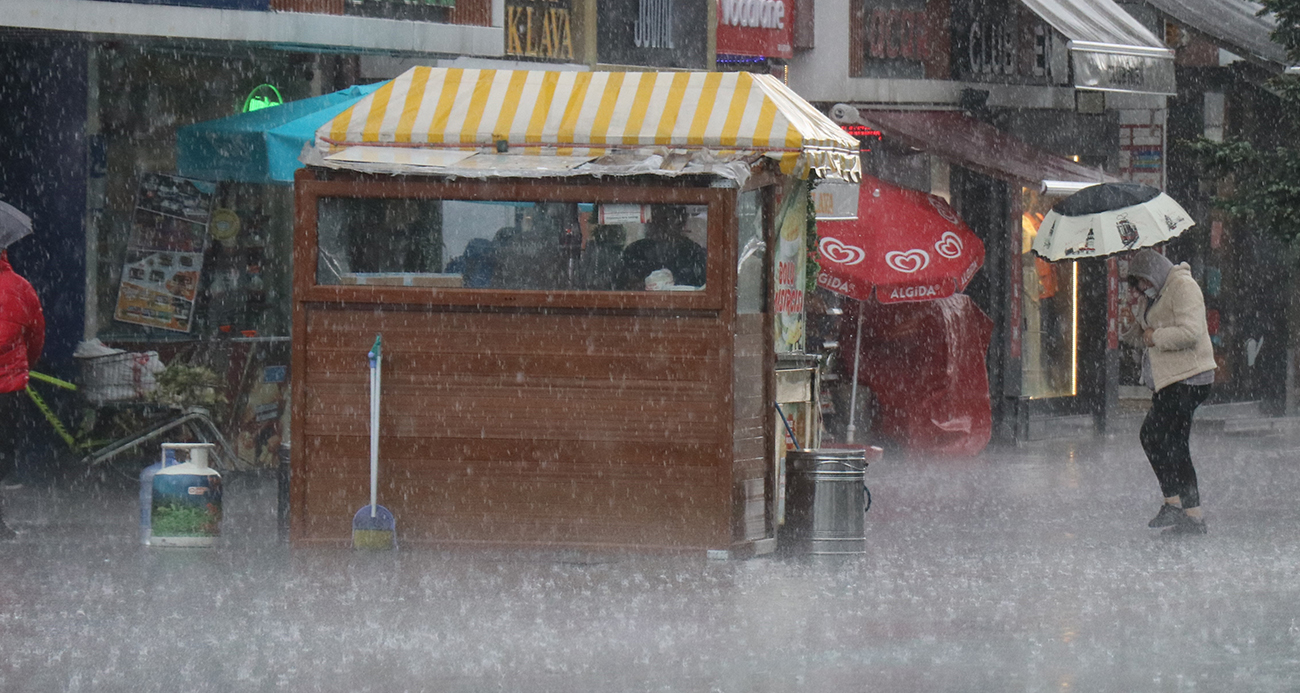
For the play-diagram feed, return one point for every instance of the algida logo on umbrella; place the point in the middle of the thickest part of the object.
(841, 253)
(907, 261)
(949, 245)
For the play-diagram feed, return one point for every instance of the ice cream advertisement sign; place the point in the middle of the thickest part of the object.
(791, 269)
(756, 27)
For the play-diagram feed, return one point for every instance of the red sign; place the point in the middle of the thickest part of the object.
(756, 27)
(894, 33)
(910, 41)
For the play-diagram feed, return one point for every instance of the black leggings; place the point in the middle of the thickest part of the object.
(11, 427)
(1164, 438)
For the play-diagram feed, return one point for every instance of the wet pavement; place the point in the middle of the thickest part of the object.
(1027, 569)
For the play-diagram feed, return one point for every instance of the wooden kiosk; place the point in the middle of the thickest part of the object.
(537, 390)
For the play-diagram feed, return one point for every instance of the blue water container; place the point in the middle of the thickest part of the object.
(146, 488)
(186, 504)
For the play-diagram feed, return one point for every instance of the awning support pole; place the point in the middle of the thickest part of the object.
(852, 430)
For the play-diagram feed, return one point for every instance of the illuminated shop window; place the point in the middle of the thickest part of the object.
(1049, 294)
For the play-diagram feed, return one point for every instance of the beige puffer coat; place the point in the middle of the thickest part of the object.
(1182, 339)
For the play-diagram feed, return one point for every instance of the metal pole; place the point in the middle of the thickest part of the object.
(851, 431)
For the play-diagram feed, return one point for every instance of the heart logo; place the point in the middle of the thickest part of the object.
(841, 253)
(949, 245)
(943, 209)
(908, 261)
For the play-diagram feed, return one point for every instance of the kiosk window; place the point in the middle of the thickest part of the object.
(543, 246)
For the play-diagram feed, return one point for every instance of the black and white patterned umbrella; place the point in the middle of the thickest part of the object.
(1109, 218)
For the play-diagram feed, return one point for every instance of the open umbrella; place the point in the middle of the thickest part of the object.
(13, 225)
(1109, 218)
(260, 146)
(905, 245)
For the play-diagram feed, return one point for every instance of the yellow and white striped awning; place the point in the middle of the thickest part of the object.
(596, 113)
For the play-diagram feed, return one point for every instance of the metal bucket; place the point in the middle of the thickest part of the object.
(825, 503)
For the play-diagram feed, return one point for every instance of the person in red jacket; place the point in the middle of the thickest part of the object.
(22, 336)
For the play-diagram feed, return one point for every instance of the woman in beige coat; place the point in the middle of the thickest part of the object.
(1178, 365)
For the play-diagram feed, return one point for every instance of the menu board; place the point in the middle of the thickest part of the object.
(164, 255)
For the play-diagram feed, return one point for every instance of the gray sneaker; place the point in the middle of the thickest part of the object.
(1168, 516)
(1187, 525)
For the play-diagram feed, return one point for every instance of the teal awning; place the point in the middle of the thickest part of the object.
(260, 146)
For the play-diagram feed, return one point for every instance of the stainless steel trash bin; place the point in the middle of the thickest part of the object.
(824, 501)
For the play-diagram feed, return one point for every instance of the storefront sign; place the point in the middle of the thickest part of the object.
(213, 4)
(905, 39)
(262, 96)
(895, 33)
(653, 33)
(833, 200)
(654, 24)
(1142, 151)
(756, 27)
(1002, 41)
(617, 213)
(164, 255)
(539, 29)
(791, 270)
(1106, 70)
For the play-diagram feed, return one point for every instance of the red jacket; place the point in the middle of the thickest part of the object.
(22, 328)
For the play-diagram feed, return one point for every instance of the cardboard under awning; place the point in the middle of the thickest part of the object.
(1110, 50)
(962, 140)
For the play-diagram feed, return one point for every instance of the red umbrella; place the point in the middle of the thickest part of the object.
(907, 245)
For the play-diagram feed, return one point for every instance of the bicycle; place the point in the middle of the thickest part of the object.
(119, 379)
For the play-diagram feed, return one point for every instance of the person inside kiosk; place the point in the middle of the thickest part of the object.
(665, 247)
(537, 246)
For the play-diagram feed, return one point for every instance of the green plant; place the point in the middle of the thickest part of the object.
(1264, 183)
(814, 268)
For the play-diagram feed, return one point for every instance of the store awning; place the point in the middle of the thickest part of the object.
(260, 146)
(663, 121)
(1110, 50)
(1236, 23)
(962, 140)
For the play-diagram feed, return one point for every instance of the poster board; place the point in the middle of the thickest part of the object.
(790, 269)
(164, 254)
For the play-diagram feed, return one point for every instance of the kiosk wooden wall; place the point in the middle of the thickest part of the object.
(621, 422)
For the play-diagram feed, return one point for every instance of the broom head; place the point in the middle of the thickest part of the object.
(378, 532)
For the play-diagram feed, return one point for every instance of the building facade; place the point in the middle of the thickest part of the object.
(992, 104)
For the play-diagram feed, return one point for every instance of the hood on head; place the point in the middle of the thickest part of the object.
(1149, 265)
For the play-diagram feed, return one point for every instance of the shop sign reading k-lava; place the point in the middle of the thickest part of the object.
(539, 29)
